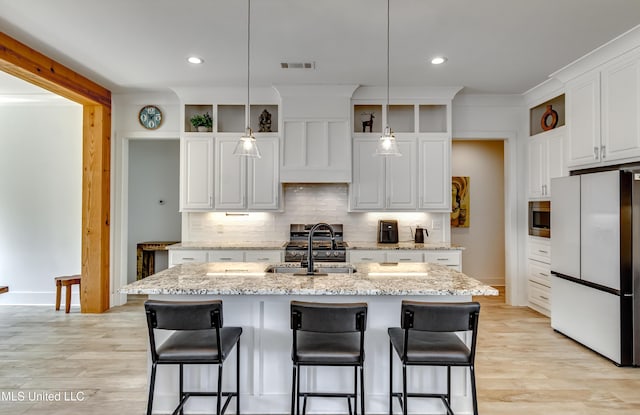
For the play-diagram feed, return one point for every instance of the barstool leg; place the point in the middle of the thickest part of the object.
(238, 377)
(404, 388)
(362, 390)
(293, 391)
(58, 294)
(390, 378)
(152, 383)
(473, 390)
(298, 390)
(181, 387)
(355, 391)
(67, 304)
(449, 384)
(219, 400)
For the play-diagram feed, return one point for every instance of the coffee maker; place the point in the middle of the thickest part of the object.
(387, 231)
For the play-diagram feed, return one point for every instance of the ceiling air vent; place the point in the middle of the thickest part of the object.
(297, 65)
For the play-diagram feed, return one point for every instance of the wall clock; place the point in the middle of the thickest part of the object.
(150, 117)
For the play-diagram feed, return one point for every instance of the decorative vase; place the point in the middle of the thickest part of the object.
(203, 129)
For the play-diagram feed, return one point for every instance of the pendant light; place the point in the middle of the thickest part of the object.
(387, 144)
(247, 146)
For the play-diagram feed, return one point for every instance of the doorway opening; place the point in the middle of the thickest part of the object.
(481, 165)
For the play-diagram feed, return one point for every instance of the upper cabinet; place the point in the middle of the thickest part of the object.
(245, 183)
(603, 114)
(196, 173)
(418, 180)
(546, 162)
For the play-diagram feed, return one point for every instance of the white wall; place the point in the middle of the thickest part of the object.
(483, 240)
(154, 173)
(41, 205)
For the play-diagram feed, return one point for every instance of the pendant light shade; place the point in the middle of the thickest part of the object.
(247, 146)
(387, 144)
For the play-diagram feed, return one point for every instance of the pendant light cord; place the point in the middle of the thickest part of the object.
(388, 9)
(248, 118)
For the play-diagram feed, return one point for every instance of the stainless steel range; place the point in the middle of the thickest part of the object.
(324, 249)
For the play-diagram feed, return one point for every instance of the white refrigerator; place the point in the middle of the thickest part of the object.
(592, 267)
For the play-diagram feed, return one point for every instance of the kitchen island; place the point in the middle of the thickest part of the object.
(256, 296)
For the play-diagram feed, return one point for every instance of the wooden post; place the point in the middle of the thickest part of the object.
(30, 65)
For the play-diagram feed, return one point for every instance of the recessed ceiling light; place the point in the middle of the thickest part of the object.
(438, 60)
(194, 59)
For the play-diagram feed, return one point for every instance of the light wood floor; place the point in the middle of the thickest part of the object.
(523, 366)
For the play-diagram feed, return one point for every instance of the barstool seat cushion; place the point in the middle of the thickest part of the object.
(198, 345)
(328, 348)
(430, 347)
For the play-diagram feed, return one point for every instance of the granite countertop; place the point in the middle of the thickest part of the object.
(250, 278)
(257, 245)
(247, 245)
(404, 245)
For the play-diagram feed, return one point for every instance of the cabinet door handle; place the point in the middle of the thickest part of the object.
(544, 298)
(404, 259)
(225, 259)
(542, 252)
(188, 259)
(543, 274)
(441, 259)
(596, 153)
(603, 152)
(366, 259)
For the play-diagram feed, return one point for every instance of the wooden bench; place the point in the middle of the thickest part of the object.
(67, 281)
(4, 289)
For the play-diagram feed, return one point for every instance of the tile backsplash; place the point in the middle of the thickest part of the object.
(306, 203)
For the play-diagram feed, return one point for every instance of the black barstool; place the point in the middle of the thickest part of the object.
(428, 338)
(199, 338)
(327, 334)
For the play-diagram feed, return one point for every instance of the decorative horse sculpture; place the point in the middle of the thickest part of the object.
(367, 123)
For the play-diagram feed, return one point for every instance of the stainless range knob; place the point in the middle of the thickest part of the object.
(315, 253)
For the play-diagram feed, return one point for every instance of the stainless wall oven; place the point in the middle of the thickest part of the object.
(540, 218)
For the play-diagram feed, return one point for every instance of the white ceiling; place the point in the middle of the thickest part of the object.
(493, 46)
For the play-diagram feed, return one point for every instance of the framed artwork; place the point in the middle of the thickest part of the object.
(460, 212)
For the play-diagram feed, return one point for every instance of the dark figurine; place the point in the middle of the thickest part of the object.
(368, 123)
(265, 122)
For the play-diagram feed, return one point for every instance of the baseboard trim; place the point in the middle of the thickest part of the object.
(47, 298)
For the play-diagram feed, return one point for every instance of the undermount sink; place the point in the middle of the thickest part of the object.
(317, 271)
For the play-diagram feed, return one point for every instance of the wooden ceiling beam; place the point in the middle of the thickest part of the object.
(25, 63)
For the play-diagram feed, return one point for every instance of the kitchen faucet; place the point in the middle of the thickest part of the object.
(310, 244)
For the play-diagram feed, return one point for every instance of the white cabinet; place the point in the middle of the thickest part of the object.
(434, 181)
(196, 185)
(367, 256)
(451, 258)
(582, 105)
(247, 184)
(539, 274)
(621, 109)
(262, 256)
(231, 255)
(384, 183)
(603, 113)
(179, 256)
(545, 162)
(405, 256)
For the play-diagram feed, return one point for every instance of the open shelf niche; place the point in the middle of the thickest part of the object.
(194, 109)
(536, 113)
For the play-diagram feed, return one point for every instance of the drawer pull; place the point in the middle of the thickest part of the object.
(188, 259)
(543, 252)
(404, 259)
(367, 259)
(543, 274)
(442, 259)
(544, 298)
(225, 259)
(263, 259)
